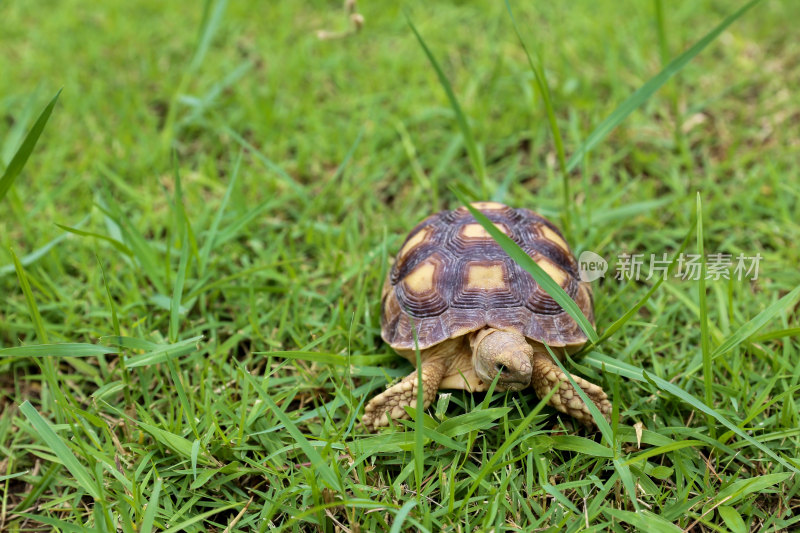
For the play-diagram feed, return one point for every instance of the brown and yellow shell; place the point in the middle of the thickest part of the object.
(451, 278)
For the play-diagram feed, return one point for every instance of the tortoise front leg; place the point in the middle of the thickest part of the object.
(547, 375)
(393, 399)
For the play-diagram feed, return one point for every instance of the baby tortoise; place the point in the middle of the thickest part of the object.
(478, 314)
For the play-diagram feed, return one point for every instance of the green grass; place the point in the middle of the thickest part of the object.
(192, 253)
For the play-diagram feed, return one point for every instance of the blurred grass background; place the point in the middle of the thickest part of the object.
(344, 145)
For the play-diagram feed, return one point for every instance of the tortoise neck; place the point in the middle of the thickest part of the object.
(476, 337)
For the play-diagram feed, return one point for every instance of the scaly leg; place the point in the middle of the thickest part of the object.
(393, 399)
(547, 375)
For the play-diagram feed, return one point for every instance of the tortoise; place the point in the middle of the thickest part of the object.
(478, 314)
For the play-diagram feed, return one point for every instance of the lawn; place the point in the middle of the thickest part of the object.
(200, 235)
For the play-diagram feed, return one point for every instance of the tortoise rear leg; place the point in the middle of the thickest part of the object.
(393, 399)
(546, 375)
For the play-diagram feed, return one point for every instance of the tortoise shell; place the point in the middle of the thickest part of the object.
(451, 278)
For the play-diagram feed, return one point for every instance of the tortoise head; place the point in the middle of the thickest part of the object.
(505, 353)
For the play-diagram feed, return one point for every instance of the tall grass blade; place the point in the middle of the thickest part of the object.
(212, 17)
(473, 151)
(112, 307)
(663, 48)
(136, 243)
(544, 89)
(208, 27)
(705, 346)
(24, 152)
(419, 425)
(47, 366)
(208, 244)
(33, 309)
(177, 289)
(529, 265)
(641, 95)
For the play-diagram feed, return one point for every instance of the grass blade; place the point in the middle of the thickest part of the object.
(152, 506)
(401, 515)
(739, 489)
(24, 152)
(38, 253)
(205, 251)
(208, 28)
(609, 364)
(473, 151)
(335, 359)
(47, 366)
(284, 177)
(582, 445)
(663, 49)
(180, 445)
(135, 241)
(705, 346)
(177, 289)
(641, 95)
(626, 477)
(472, 421)
(503, 448)
(50, 437)
(529, 265)
(77, 349)
(320, 466)
(58, 525)
(111, 306)
(184, 526)
(660, 450)
(419, 426)
(114, 242)
(36, 317)
(752, 326)
(544, 89)
(771, 335)
(643, 520)
(162, 352)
